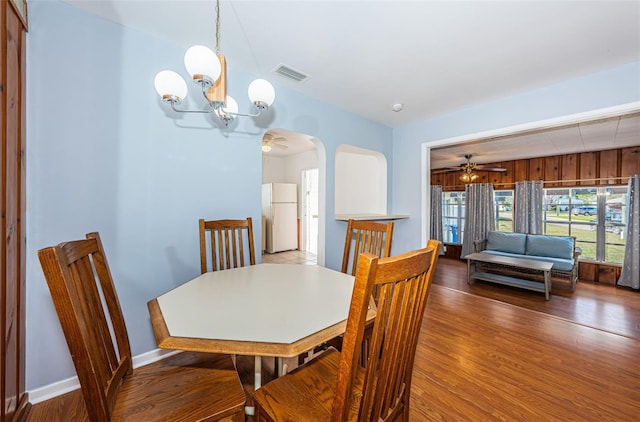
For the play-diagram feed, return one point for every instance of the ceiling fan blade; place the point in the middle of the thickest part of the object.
(469, 167)
(480, 167)
(447, 170)
(275, 145)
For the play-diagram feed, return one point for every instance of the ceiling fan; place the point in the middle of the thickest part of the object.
(468, 169)
(269, 141)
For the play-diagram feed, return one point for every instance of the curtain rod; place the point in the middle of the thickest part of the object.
(597, 179)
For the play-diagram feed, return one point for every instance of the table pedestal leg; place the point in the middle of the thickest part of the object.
(257, 381)
(282, 367)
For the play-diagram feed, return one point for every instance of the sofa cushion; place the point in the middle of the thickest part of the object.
(559, 264)
(550, 246)
(506, 242)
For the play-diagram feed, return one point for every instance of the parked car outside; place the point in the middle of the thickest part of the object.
(585, 210)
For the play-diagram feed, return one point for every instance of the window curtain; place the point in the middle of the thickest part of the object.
(479, 216)
(528, 208)
(630, 275)
(436, 214)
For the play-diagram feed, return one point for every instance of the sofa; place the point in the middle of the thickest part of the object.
(559, 250)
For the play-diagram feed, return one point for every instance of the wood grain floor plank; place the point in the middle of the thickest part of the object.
(484, 359)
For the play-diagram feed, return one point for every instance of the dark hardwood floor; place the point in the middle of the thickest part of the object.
(490, 352)
(602, 306)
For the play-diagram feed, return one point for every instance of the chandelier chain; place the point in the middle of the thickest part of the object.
(217, 26)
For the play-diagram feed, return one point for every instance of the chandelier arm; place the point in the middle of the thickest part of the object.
(204, 92)
(204, 85)
(220, 109)
(173, 107)
(224, 117)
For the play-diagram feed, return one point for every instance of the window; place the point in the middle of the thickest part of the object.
(503, 200)
(452, 216)
(595, 216)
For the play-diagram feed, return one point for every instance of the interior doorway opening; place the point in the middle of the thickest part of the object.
(286, 156)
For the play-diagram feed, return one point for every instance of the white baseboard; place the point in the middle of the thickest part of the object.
(53, 390)
(58, 388)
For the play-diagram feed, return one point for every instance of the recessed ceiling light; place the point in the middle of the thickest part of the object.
(397, 107)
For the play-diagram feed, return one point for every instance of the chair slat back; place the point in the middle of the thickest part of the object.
(227, 247)
(404, 282)
(365, 236)
(85, 299)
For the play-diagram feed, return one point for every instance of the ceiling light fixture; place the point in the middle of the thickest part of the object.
(468, 174)
(209, 70)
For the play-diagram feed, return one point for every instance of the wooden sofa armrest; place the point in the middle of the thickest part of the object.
(577, 251)
(479, 245)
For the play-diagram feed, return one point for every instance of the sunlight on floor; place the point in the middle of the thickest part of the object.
(589, 311)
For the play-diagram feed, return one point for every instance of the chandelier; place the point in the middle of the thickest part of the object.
(209, 71)
(468, 174)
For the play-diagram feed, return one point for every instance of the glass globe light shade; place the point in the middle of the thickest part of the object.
(468, 176)
(231, 106)
(200, 60)
(261, 91)
(266, 148)
(168, 82)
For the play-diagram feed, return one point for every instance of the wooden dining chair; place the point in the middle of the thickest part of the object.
(227, 247)
(183, 387)
(333, 386)
(365, 236)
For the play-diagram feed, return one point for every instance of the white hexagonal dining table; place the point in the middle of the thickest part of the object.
(279, 310)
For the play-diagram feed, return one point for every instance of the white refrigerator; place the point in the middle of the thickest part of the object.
(280, 211)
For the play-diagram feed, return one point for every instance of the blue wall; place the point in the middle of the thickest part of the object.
(104, 154)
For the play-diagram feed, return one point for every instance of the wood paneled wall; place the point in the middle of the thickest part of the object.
(13, 397)
(609, 167)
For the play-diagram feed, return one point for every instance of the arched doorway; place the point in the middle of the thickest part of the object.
(292, 157)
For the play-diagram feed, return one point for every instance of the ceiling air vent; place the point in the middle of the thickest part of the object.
(286, 72)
